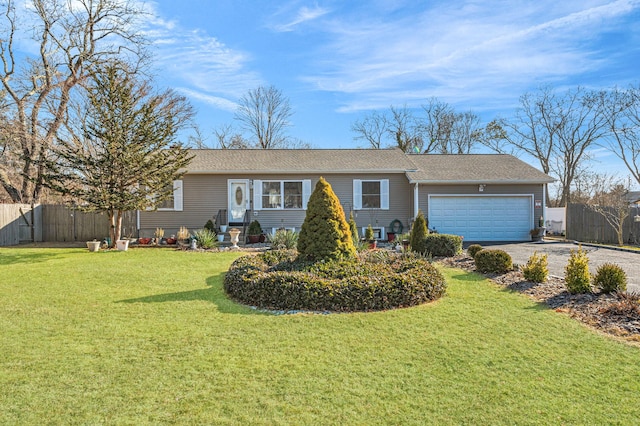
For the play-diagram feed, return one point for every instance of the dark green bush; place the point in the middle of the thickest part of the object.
(610, 277)
(576, 276)
(537, 268)
(493, 261)
(254, 228)
(277, 280)
(210, 226)
(473, 249)
(418, 234)
(443, 245)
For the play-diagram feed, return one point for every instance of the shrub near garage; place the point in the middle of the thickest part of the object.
(493, 261)
(537, 268)
(277, 280)
(443, 245)
(576, 276)
(473, 249)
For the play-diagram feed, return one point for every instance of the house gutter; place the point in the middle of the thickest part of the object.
(415, 200)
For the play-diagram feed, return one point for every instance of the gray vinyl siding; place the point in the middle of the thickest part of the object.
(205, 194)
(494, 189)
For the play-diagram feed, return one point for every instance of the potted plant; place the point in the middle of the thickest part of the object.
(158, 235)
(172, 240)
(94, 245)
(183, 235)
(537, 234)
(254, 232)
(369, 237)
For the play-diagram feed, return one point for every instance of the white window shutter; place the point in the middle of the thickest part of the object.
(257, 194)
(384, 194)
(357, 194)
(306, 192)
(177, 195)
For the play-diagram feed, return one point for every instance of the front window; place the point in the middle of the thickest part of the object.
(371, 194)
(168, 202)
(282, 194)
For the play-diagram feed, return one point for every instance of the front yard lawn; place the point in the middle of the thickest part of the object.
(148, 336)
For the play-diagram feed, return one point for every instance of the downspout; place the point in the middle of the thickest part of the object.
(544, 206)
(138, 222)
(415, 200)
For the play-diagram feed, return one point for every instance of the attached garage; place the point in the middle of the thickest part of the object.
(482, 218)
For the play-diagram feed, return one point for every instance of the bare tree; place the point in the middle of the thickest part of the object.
(404, 129)
(228, 138)
(72, 37)
(555, 129)
(609, 200)
(265, 113)
(449, 132)
(623, 120)
(372, 128)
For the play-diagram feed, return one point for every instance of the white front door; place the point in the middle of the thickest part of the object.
(238, 199)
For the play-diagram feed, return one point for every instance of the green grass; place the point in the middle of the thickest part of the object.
(148, 337)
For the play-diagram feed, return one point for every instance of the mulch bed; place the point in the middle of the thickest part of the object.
(617, 314)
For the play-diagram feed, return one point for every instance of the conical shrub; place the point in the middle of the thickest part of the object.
(419, 234)
(354, 229)
(325, 233)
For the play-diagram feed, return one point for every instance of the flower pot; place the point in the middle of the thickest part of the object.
(171, 241)
(144, 241)
(220, 238)
(122, 245)
(223, 228)
(373, 244)
(93, 245)
(391, 236)
(253, 239)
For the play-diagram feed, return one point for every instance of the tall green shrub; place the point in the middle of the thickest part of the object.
(325, 233)
(419, 234)
(354, 229)
(576, 276)
(537, 268)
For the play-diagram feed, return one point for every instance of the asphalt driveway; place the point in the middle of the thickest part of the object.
(558, 255)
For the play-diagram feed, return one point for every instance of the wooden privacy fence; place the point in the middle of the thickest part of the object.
(20, 223)
(583, 224)
(64, 223)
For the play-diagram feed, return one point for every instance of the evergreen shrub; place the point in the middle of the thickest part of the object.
(537, 268)
(443, 245)
(493, 261)
(576, 276)
(610, 278)
(279, 280)
(473, 249)
(325, 233)
(418, 234)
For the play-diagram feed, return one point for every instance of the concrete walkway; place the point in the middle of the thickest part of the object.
(558, 255)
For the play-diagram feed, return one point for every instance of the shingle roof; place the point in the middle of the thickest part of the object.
(225, 161)
(430, 168)
(474, 168)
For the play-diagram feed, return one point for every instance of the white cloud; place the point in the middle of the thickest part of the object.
(304, 14)
(203, 66)
(475, 51)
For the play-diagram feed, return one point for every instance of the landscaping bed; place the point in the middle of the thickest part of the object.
(617, 314)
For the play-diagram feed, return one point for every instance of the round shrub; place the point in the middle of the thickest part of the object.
(473, 249)
(278, 280)
(576, 275)
(537, 268)
(443, 245)
(610, 277)
(493, 261)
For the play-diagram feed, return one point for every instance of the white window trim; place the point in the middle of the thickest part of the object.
(384, 194)
(177, 198)
(257, 193)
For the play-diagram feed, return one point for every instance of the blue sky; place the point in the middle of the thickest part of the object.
(338, 60)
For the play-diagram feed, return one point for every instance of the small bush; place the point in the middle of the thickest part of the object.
(473, 249)
(254, 228)
(610, 277)
(354, 230)
(277, 280)
(368, 233)
(210, 226)
(493, 261)
(576, 276)
(443, 245)
(537, 268)
(205, 238)
(283, 239)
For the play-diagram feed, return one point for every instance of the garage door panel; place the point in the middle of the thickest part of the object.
(486, 218)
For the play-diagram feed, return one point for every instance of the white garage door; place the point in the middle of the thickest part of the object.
(482, 218)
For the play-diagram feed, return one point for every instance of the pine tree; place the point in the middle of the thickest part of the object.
(325, 233)
(354, 229)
